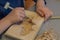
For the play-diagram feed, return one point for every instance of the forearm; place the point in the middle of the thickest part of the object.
(43, 10)
(4, 24)
(16, 15)
(40, 3)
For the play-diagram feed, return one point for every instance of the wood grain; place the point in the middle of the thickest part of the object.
(25, 30)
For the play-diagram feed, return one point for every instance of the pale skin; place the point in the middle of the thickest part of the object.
(18, 14)
(43, 10)
(14, 16)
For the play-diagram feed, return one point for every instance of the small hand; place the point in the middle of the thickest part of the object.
(44, 12)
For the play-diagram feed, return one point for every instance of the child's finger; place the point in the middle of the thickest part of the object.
(41, 13)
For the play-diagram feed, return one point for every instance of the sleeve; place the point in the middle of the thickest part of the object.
(35, 0)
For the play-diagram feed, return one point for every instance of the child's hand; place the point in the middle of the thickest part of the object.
(44, 12)
(16, 15)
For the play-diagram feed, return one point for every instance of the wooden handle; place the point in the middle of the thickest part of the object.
(55, 17)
